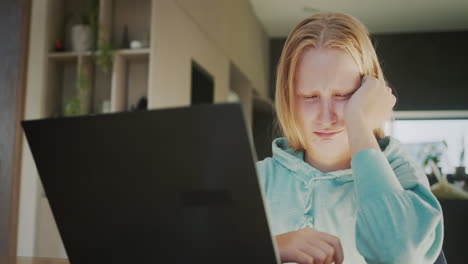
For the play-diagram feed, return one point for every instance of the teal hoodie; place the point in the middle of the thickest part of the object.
(382, 208)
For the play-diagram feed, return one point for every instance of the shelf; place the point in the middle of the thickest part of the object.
(125, 53)
(68, 55)
(133, 53)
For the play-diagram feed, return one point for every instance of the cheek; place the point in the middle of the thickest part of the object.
(308, 113)
(339, 108)
(308, 110)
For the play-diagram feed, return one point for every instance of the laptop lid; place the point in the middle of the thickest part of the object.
(176, 185)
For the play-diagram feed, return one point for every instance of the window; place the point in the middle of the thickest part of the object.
(443, 137)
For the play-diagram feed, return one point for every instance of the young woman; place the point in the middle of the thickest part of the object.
(337, 190)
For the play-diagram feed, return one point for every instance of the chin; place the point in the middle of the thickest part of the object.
(338, 139)
(329, 146)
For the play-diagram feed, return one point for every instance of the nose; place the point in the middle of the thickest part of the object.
(327, 113)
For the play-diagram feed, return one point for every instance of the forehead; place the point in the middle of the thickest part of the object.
(326, 68)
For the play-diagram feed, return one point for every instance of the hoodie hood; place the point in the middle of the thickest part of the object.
(294, 160)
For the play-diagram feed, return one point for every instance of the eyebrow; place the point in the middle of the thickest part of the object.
(353, 90)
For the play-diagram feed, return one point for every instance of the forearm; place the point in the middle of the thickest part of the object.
(399, 228)
(360, 136)
(394, 225)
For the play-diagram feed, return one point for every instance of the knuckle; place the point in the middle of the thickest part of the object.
(324, 258)
(337, 242)
(320, 260)
(331, 251)
(306, 260)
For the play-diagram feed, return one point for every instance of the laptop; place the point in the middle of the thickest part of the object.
(174, 185)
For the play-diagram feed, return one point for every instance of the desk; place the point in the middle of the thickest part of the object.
(30, 260)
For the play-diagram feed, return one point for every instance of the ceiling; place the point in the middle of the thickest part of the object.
(380, 16)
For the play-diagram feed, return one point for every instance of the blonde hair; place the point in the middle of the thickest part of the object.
(327, 30)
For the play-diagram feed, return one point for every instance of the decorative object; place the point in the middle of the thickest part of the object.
(125, 43)
(81, 38)
(59, 46)
(105, 106)
(233, 97)
(145, 41)
(141, 105)
(135, 44)
(84, 28)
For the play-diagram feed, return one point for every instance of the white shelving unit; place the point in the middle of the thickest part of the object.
(126, 82)
(58, 73)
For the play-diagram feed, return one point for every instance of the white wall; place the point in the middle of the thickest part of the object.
(213, 33)
(176, 41)
(236, 31)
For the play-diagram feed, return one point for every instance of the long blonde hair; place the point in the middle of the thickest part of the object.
(327, 30)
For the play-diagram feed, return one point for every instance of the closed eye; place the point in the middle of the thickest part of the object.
(345, 95)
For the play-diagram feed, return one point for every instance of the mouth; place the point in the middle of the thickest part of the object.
(328, 134)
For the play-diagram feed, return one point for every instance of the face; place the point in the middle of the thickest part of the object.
(325, 80)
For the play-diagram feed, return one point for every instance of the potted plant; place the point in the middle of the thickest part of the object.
(431, 155)
(104, 56)
(81, 37)
(78, 104)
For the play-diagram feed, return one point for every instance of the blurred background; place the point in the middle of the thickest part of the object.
(102, 56)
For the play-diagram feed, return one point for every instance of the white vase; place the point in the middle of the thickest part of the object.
(81, 38)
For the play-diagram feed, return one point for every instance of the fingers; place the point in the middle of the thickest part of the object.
(317, 255)
(303, 257)
(372, 81)
(336, 244)
(309, 246)
(326, 248)
(392, 98)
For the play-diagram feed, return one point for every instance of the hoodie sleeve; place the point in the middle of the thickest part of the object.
(398, 220)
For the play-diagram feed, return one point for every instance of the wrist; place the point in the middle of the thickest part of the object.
(360, 135)
(354, 115)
